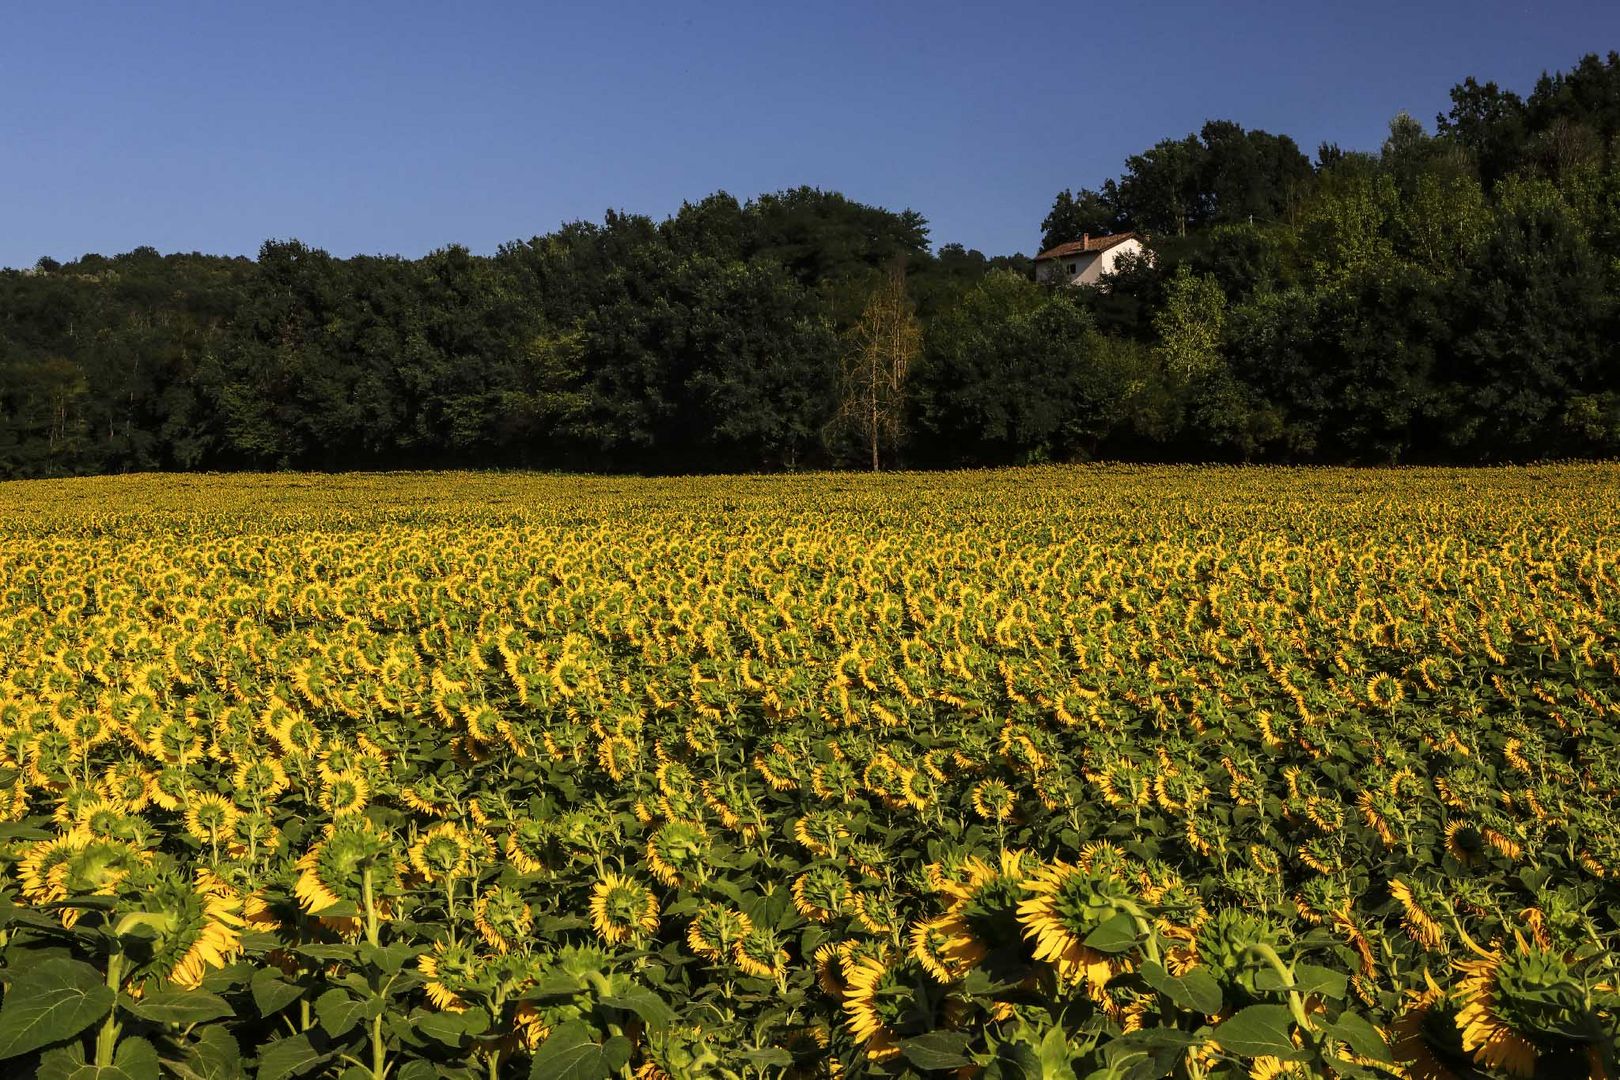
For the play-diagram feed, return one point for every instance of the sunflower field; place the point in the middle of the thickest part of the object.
(1047, 773)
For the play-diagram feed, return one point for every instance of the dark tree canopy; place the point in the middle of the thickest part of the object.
(1446, 296)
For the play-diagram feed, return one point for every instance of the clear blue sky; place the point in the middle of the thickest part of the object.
(401, 127)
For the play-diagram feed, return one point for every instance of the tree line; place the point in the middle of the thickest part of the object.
(1450, 297)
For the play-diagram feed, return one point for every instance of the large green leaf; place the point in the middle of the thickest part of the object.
(1362, 1036)
(1259, 1030)
(178, 1007)
(645, 1004)
(1196, 990)
(937, 1050)
(292, 1056)
(271, 993)
(571, 1052)
(214, 1056)
(339, 1011)
(1117, 935)
(49, 1002)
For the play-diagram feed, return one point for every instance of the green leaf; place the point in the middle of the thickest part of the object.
(447, 1028)
(292, 1056)
(271, 993)
(1056, 1061)
(136, 1059)
(1362, 1036)
(178, 1007)
(645, 1004)
(339, 1011)
(937, 1050)
(1308, 979)
(1117, 935)
(214, 1056)
(1259, 1030)
(389, 958)
(1196, 990)
(569, 1053)
(49, 1002)
(616, 1053)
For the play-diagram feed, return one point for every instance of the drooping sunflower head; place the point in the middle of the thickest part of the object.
(1525, 1005)
(125, 783)
(1425, 1038)
(111, 819)
(678, 853)
(525, 844)
(454, 972)
(345, 793)
(993, 800)
(175, 929)
(97, 867)
(1065, 905)
(821, 893)
(335, 871)
(259, 780)
(760, 953)
(623, 909)
(211, 818)
(822, 831)
(715, 929)
(503, 918)
(444, 853)
(36, 868)
(882, 1004)
(1226, 944)
(986, 896)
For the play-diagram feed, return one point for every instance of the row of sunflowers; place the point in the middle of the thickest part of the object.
(1056, 773)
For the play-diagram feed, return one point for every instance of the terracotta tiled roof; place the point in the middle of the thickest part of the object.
(1089, 246)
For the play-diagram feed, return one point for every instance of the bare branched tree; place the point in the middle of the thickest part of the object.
(876, 363)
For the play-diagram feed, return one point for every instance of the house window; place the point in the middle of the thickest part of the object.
(1074, 268)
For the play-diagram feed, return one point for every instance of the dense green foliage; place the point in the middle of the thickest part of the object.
(1450, 298)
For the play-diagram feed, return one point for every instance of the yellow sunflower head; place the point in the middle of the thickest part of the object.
(623, 910)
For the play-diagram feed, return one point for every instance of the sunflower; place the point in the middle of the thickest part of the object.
(930, 947)
(334, 871)
(872, 1011)
(525, 845)
(1424, 1038)
(983, 913)
(443, 853)
(1068, 904)
(876, 910)
(167, 788)
(759, 953)
(345, 794)
(1464, 842)
(716, 929)
(190, 928)
(259, 780)
(451, 970)
(678, 852)
(623, 909)
(993, 800)
(821, 893)
(503, 917)
(821, 831)
(1420, 925)
(1384, 691)
(211, 818)
(1523, 1005)
(41, 858)
(125, 783)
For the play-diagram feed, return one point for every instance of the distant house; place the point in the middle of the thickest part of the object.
(1086, 260)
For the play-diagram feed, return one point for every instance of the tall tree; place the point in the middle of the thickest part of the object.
(876, 366)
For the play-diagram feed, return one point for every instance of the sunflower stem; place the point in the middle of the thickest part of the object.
(107, 1037)
(371, 908)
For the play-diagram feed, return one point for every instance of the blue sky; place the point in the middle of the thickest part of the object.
(401, 127)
